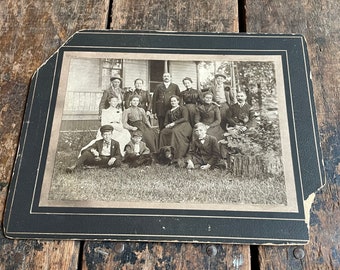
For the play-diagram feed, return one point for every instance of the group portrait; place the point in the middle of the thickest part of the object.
(172, 131)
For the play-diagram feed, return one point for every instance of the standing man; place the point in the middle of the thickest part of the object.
(113, 91)
(161, 98)
(223, 97)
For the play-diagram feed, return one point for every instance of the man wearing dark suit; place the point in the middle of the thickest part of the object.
(241, 114)
(204, 150)
(104, 153)
(161, 98)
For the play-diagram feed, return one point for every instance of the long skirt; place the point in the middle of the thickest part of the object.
(216, 131)
(150, 135)
(178, 137)
(192, 111)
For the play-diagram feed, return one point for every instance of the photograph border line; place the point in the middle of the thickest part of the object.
(89, 54)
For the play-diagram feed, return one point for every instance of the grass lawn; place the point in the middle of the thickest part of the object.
(162, 184)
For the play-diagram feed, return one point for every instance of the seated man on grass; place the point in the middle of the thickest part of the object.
(204, 150)
(104, 153)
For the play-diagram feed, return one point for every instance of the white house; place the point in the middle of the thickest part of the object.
(88, 77)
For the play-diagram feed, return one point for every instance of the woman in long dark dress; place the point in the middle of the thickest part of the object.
(145, 97)
(135, 118)
(177, 131)
(190, 98)
(209, 114)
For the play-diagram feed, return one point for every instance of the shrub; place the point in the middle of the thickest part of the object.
(74, 140)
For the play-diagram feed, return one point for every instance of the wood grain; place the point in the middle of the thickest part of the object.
(34, 254)
(128, 256)
(30, 32)
(190, 15)
(320, 23)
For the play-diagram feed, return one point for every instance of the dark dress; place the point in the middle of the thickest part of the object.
(190, 99)
(161, 101)
(180, 134)
(228, 99)
(209, 114)
(136, 117)
(145, 99)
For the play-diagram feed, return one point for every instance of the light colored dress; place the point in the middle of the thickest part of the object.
(113, 116)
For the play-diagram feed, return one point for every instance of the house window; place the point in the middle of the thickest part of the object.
(157, 68)
(110, 67)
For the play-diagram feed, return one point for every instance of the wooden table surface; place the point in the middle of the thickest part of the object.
(32, 30)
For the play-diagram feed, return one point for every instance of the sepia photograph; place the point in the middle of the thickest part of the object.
(168, 137)
(170, 131)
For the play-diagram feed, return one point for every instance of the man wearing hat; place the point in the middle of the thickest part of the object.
(113, 91)
(104, 153)
(222, 96)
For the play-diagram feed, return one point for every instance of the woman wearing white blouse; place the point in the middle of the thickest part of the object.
(113, 116)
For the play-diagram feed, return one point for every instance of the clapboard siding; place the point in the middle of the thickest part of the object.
(84, 90)
(84, 75)
(181, 69)
(82, 102)
(79, 125)
(133, 69)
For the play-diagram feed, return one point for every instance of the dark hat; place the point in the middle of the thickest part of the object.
(137, 133)
(106, 128)
(117, 76)
(220, 74)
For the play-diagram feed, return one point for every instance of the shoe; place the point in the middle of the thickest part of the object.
(70, 169)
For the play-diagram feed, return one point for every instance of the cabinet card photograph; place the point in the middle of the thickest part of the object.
(153, 104)
(164, 130)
